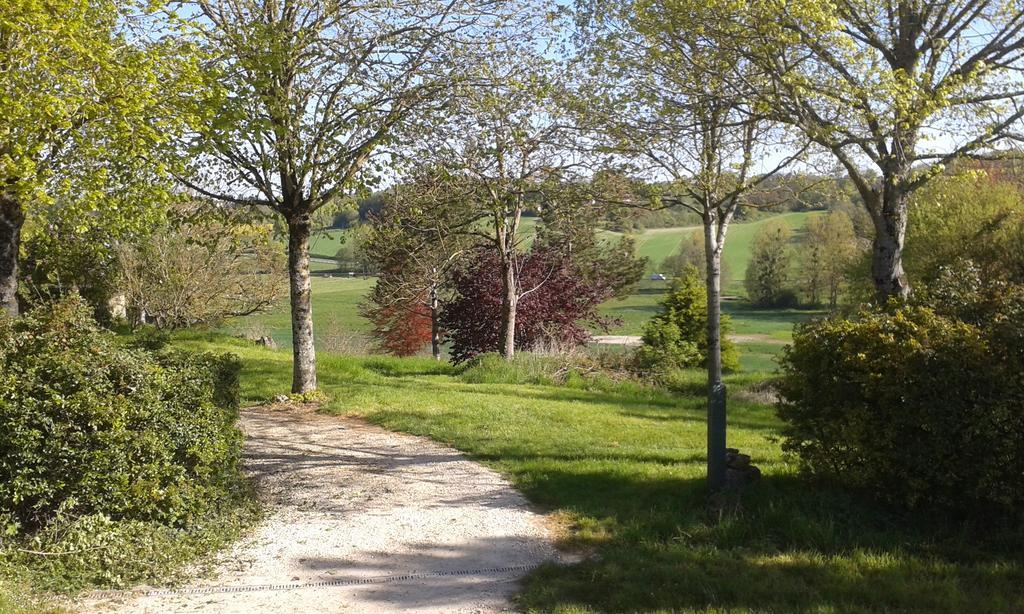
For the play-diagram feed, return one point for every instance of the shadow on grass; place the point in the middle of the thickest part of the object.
(793, 546)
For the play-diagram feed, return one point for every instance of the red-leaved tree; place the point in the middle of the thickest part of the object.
(556, 303)
(401, 328)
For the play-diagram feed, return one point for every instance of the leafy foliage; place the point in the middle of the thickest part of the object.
(768, 273)
(973, 215)
(401, 328)
(202, 270)
(677, 337)
(829, 249)
(91, 427)
(555, 303)
(89, 106)
(920, 405)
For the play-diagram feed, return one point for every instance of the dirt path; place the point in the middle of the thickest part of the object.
(354, 508)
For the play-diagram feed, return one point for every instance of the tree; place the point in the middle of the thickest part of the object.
(671, 97)
(507, 150)
(403, 328)
(415, 240)
(907, 86)
(312, 92)
(86, 105)
(202, 269)
(768, 272)
(553, 306)
(970, 216)
(829, 247)
(677, 337)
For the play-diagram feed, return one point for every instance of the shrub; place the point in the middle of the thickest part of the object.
(677, 336)
(914, 404)
(202, 272)
(88, 426)
(557, 304)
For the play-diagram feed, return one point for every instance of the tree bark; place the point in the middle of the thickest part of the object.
(303, 349)
(12, 217)
(716, 388)
(890, 221)
(435, 328)
(508, 308)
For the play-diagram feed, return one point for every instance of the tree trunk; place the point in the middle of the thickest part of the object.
(435, 328)
(508, 309)
(890, 221)
(11, 220)
(303, 350)
(716, 388)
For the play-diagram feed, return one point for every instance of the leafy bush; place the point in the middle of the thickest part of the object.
(559, 302)
(95, 550)
(89, 427)
(915, 404)
(677, 336)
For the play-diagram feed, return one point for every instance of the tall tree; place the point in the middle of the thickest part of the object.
(415, 240)
(894, 89)
(768, 272)
(829, 247)
(507, 152)
(85, 101)
(672, 99)
(313, 90)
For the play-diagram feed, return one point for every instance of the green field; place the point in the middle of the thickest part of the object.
(335, 313)
(656, 244)
(620, 468)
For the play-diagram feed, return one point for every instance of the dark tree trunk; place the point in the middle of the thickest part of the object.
(303, 350)
(508, 308)
(435, 328)
(890, 221)
(716, 388)
(11, 220)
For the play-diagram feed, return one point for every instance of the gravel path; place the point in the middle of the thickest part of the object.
(357, 507)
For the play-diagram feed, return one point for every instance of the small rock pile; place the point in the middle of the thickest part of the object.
(738, 470)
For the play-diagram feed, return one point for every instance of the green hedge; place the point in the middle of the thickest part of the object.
(920, 405)
(89, 426)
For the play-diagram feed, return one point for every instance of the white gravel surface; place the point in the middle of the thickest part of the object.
(353, 507)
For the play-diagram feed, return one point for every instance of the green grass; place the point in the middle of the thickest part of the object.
(326, 244)
(622, 468)
(656, 244)
(335, 313)
(17, 597)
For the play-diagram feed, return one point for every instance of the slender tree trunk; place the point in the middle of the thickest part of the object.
(716, 388)
(435, 328)
(508, 308)
(890, 221)
(11, 220)
(303, 350)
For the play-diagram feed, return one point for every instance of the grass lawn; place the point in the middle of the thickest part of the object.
(621, 467)
(335, 313)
